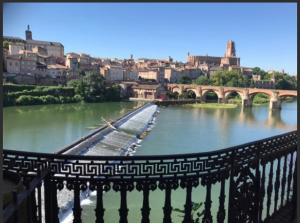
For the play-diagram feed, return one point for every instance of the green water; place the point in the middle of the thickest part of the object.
(185, 130)
(47, 128)
(177, 130)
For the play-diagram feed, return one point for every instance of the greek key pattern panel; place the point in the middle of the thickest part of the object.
(150, 167)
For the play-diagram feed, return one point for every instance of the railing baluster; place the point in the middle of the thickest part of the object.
(167, 207)
(146, 208)
(16, 218)
(221, 211)
(77, 209)
(262, 192)
(39, 204)
(207, 213)
(294, 197)
(270, 189)
(283, 182)
(55, 209)
(277, 184)
(290, 177)
(47, 200)
(99, 206)
(123, 211)
(34, 218)
(29, 202)
(188, 204)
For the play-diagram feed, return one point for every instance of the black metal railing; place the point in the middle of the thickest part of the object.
(260, 177)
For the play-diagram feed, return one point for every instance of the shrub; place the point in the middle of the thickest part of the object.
(49, 99)
(14, 88)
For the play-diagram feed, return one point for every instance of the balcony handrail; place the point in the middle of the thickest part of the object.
(261, 177)
(144, 157)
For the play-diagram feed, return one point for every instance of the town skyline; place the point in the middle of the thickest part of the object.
(281, 58)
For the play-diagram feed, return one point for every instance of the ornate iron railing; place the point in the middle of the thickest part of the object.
(260, 176)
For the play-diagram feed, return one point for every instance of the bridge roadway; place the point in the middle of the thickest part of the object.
(246, 94)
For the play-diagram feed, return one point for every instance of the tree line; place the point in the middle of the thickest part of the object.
(235, 78)
(90, 87)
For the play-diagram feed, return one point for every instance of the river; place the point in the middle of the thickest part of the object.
(177, 130)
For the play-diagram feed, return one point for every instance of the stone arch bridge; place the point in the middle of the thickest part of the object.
(246, 94)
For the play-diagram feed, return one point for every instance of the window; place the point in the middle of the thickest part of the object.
(10, 63)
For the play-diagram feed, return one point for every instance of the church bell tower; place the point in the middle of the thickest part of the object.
(28, 33)
(230, 49)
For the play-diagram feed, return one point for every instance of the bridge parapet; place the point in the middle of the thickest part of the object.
(223, 92)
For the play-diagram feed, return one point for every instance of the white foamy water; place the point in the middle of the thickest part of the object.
(122, 141)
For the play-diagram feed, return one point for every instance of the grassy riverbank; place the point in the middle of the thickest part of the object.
(210, 105)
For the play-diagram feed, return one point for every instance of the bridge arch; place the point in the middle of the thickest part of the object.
(230, 92)
(176, 89)
(206, 91)
(282, 95)
(192, 90)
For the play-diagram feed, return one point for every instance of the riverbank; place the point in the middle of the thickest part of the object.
(210, 105)
(20, 95)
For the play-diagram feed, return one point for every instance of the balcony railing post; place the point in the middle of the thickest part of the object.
(187, 183)
(290, 176)
(294, 198)
(99, 205)
(221, 212)
(231, 182)
(146, 207)
(256, 164)
(283, 181)
(54, 203)
(47, 200)
(277, 184)
(168, 185)
(77, 209)
(262, 190)
(207, 212)
(146, 186)
(270, 189)
(50, 197)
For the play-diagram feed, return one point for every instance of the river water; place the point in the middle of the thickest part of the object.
(177, 130)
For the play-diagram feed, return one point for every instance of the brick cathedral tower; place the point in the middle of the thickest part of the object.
(230, 49)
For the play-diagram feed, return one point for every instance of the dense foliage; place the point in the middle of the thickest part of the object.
(92, 88)
(36, 95)
(225, 78)
(236, 79)
(185, 80)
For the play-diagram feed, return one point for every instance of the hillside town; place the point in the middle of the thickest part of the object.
(35, 62)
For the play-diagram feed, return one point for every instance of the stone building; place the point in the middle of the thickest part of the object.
(56, 70)
(229, 58)
(153, 74)
(130, 75)
(148, 91)
(173, 75)
(15, 44)
(112, 73)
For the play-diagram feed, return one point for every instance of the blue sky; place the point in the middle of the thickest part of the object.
(265, 34)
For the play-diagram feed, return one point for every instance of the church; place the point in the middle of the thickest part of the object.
(16, 44)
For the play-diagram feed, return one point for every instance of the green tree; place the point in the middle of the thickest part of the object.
(263, 74)
(185, 80)
(5, 44)
(203, 80)
(218, 78)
